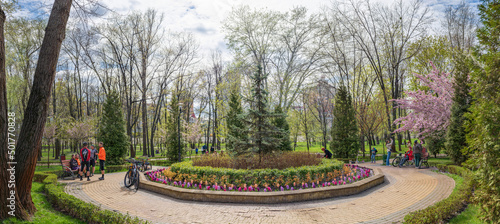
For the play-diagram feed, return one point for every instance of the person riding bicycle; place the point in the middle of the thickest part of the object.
(408, 156)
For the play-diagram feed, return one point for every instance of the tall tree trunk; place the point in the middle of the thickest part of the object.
(144, 115)
(30, 137)
(5, 175)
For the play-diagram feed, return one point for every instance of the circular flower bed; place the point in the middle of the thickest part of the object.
(327, 173)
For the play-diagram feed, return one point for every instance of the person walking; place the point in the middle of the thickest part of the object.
(93, 158)
(389, 150)
(417, 152)
(102, 159)
(373, 153)
(85, 155)
(327, 152)
(196, 150)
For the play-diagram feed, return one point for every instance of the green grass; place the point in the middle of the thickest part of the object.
(45, 213)
(469, 216)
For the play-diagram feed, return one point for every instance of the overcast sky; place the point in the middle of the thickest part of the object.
(204, 18)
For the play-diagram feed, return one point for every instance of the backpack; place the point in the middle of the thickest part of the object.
(85, 154)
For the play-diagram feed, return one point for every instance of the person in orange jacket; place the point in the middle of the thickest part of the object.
(102, 159)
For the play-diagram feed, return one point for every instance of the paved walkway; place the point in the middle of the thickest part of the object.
(405, 190)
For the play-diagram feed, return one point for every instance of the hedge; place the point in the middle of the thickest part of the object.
(185, 170)
(77, 208)
(446, 209)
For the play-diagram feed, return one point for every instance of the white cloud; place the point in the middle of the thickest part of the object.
(204, 18)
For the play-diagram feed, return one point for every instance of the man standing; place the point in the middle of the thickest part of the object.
(373, 153)
(85, 155)
(417, 152)
(102, 159)
(93, 158)
(327, 152)
(389, 143)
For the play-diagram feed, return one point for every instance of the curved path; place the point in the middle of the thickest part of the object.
(405, 190)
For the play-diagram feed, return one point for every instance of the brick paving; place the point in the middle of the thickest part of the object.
(405, 190)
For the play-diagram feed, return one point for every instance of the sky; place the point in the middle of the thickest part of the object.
(204, 18)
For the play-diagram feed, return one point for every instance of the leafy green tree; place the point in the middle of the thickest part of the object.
(112, 130)
(257, 121)
(484, 126)
(172, 140)
(456, 135)
(234, 122)
(435, 143)
(345, 134)
(281, 123)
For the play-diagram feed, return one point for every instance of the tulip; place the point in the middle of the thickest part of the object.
(195, 185)
(245, 189)
(329, 184)
(265, 190)
(208, 187)
(287, 187)
(323, 185)
(291, 188)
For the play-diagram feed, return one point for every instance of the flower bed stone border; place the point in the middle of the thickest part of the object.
(261, 197)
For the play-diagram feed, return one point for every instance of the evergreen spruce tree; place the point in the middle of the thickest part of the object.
(456, 140)
(284, 137)
(345, 134)
(112, 130)
(257, 122)
(234, 121)
(172, 140)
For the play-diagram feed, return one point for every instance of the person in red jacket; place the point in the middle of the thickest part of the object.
(85, 155)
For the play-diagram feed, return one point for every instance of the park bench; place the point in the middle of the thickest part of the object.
(67, 171)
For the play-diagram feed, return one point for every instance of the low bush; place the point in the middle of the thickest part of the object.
(77, 208)
(327, 170)
(447, 208)
(271, 161)
(160, 162)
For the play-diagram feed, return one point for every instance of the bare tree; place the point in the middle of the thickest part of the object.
(460, 23)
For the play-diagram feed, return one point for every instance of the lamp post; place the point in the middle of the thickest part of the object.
(179, 130)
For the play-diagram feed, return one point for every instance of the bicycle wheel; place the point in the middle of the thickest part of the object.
(128, 181)
(136, 178)
(141, 168)
(396, 161)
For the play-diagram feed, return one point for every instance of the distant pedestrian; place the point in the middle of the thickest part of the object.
(196, 150)
(212, 150)
(417, 152)
(327, 152)
(102, 159)
(373, 153)
(389, 143)
(85, 155)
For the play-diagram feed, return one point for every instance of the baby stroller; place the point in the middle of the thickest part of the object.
(424, 161)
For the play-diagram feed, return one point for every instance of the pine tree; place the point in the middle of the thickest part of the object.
(234, 121)
(112, 130)
(172, 140)
(456, 135)
(257, 122)
(284, 137)
(345, 139)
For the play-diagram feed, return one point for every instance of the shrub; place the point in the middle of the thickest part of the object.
(327, 170)
(269, 161)
(447, 208)
(77, 208)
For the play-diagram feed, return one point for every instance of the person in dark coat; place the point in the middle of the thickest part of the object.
(327, 152)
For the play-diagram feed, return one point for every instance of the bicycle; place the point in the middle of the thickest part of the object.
(132, 175)
(145, 165)
(396, 161)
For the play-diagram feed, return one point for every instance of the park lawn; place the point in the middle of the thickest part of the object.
(46, 213)
(470, 216)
